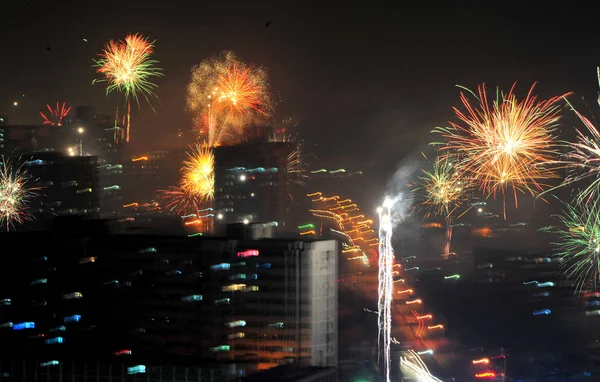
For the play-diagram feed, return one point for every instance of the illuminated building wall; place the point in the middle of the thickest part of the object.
(136, 298)
(252, 183)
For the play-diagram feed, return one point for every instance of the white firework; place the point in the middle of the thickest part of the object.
(386, 285)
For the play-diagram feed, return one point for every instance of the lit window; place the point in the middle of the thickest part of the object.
(172, 273)
(235, 324)
(72, 295)
(5, 301)
(278, 325)
(194, 297)
(24, 325)
(123, 352)
(263, 265)
(39, 281)
(139, 369)
(220, 348)
(234, 287)
(148, 250)
(73, 318)
(239, 276)
(49, 363)
(222, 301)
(56, 340)
(220, 267)
(61, 328)
(248, 253)
(86, 260)
(6, 325)
(236, 335)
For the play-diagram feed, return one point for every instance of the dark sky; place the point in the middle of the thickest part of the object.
(368, 79)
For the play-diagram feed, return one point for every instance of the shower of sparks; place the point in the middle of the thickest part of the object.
(444, 193)
(127, 67)
(225, 97)
(359, 239)
(56, 115)
(196, 186)
(16, 191)
(386, 285)
(296, 165)
(197, 174)
(578, 243)
(505, 145)
(177, 200)
(583, 158)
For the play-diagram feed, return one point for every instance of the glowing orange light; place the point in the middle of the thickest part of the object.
(424, 317)
(130, 205)
(308, 233)
(405, 291)
(487, 374)
(481, 361)
(139, 159)
(417, 301)
(248, 253)
(436, 327)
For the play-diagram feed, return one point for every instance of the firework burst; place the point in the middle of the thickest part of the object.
(196, 185)
(225, 96)
(444, 193)
(583, 157)
(197, 174)
(16, 191)
(127, 67)
(56, 115)
(507, 144)
(578, 243)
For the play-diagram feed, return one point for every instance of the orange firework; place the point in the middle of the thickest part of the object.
(228, 97)
(506, 144)
(195, 189)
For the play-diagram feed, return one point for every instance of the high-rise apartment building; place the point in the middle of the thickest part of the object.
(69, 185)
(83, 293)
(253, 184)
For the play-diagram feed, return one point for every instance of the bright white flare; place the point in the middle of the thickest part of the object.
(386, 285)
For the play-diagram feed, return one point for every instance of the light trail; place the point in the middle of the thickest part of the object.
(386, 285)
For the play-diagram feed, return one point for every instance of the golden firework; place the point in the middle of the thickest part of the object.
(225, 97)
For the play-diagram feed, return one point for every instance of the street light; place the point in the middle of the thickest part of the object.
(80, 131)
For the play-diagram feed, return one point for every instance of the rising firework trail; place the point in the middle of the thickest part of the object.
(578, 243)
(444, 193)
(127, 67)
(386, 286)
(56, 115)
(506, 145)
(16, 192)
(225, 97)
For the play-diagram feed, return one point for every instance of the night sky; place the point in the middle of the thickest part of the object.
(368, 80)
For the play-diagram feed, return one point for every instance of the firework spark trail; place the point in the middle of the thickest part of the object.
(386, 285)
(195, 189)
(56, 115)
(15, 194)
(583, 158)
(126, 67)
(444, 193)
(578, 242)
(225, 97)
(355, 227)
(506, 145)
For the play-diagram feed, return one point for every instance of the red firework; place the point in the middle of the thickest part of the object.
(56, 115)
